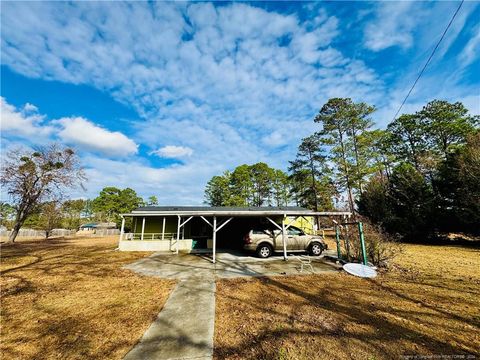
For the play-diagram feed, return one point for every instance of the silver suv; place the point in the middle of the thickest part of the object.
(264, 242)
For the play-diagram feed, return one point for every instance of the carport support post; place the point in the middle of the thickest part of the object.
(362, 243)
(143, 228)
(283, 239)
(214, 245)
(347, 237)
(337, 238)
(178, 233)
(163, 228)
(122, 228)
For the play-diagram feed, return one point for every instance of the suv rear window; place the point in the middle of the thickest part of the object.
(257, 231)
(294, 231)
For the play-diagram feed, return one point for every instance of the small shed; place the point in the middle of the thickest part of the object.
(97, 225)
(88, 226)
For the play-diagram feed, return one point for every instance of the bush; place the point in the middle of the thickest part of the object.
(381, 248)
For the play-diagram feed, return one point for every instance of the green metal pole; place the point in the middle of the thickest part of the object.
(347, 242)
(362, 243)
(337, 237)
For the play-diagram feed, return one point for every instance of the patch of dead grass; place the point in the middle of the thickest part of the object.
(70, 299)
(428, 304)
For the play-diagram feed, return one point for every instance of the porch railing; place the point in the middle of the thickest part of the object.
(151, 236)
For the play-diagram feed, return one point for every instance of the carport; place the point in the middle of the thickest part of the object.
(169, 228)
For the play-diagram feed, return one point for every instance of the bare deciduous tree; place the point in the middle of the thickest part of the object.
(50, 217)
(33, 177)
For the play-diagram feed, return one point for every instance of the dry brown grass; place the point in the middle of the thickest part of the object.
(70, 299)
(428, 304)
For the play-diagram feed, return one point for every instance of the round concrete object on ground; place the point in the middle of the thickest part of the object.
(360, 270)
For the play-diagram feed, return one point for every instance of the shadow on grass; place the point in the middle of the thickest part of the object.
(60, 335)
(41, 316)
(385, 330)
(352, 310)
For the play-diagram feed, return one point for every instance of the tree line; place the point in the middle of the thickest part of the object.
(418, 176)
(71, 214)
(430, 181)
(249, 185)
(36, 182)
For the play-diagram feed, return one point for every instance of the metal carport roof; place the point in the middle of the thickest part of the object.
(230, 212)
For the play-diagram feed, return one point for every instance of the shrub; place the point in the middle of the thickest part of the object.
(380, 247)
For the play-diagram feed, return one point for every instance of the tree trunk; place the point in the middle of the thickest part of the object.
(355, 148)
(445, 148)
(387, 168)
(22, 213)
(314, 188)
(347, 174)
(15, 230)
(414, 154)
(350, 201)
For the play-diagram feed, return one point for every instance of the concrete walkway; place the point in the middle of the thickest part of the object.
(184, 328)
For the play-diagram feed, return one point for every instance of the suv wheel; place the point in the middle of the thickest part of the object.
(316, 249)
(264, 251)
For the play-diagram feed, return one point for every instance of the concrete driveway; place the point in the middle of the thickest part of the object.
(229, 264)
(184, 329)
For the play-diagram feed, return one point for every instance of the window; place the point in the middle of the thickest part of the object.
(293, 231)
(259, 232)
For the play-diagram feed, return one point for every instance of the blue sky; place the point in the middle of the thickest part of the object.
(162, 96)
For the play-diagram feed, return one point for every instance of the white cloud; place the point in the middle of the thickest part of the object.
(428, 90)
(274, 139)
(30, 108)
(25, 122)
(392, 25)
(87, 135)
(29, 124)
(403, 24)
(471, 102)
(471, 50)
(178, 184)
(172, 151)
(233, 83)
(456, 28)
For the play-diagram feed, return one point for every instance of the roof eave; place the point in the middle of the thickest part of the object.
(238, 213)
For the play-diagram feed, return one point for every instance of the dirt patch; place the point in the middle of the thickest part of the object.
(428, 304)
(70, 299)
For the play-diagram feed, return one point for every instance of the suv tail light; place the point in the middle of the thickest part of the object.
(247, 239)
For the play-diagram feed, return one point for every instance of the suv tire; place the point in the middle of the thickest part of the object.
(264, 251)
(316, 249)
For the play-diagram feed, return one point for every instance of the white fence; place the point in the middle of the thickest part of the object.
(60, 232)
(38, 233)
(101, 232)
